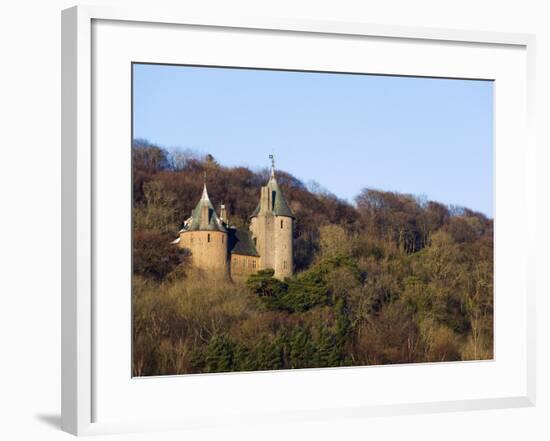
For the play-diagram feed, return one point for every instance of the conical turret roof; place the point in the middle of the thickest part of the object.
(279, 206)
(213, 223)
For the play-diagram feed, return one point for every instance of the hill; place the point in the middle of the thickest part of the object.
(391, 279)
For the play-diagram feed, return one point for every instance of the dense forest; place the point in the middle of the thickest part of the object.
(391, 279)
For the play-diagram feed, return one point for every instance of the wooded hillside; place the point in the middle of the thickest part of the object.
(394, 279)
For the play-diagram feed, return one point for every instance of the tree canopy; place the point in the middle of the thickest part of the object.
(393, 278)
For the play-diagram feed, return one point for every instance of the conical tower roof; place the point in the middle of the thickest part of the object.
(279, 206)
(213, 223)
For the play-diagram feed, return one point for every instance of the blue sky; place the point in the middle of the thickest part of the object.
(431, 137)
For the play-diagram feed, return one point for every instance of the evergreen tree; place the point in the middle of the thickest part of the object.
(268, 355)
(343, 323)
(301, 349)
(267, 288)
(243, 359)
(282, 340)
(219, 357)
(328, 353)
(198, 360)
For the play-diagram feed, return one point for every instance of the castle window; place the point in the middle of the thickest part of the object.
(281, 223)
(208, 237)
(285, 265)
(254, 263)
(223, 239)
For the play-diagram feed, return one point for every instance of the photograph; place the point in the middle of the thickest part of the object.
(276, 221)
(286, 219)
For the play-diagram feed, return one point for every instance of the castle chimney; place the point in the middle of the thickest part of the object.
(223, 213)
(204, 216)
(265, 205)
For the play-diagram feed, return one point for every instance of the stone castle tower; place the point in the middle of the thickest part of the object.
(206, 236)
(217, 246)
(272, 224)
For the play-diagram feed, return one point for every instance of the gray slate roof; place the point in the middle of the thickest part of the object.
(240, 242)
(213, 223)
(279, 204)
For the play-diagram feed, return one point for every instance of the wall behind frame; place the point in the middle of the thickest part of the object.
(30, 188)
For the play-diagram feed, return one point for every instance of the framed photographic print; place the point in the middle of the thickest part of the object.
(261, 209)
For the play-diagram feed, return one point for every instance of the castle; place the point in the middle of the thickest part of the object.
(217, 246)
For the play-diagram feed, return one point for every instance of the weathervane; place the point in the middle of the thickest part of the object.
(272, 161)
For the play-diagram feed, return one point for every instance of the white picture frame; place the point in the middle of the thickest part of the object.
(79, 232)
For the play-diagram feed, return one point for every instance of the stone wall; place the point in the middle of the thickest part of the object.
(208, 249)
(262, 230)
(273, 235)
(243, 266)
(282, 245)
